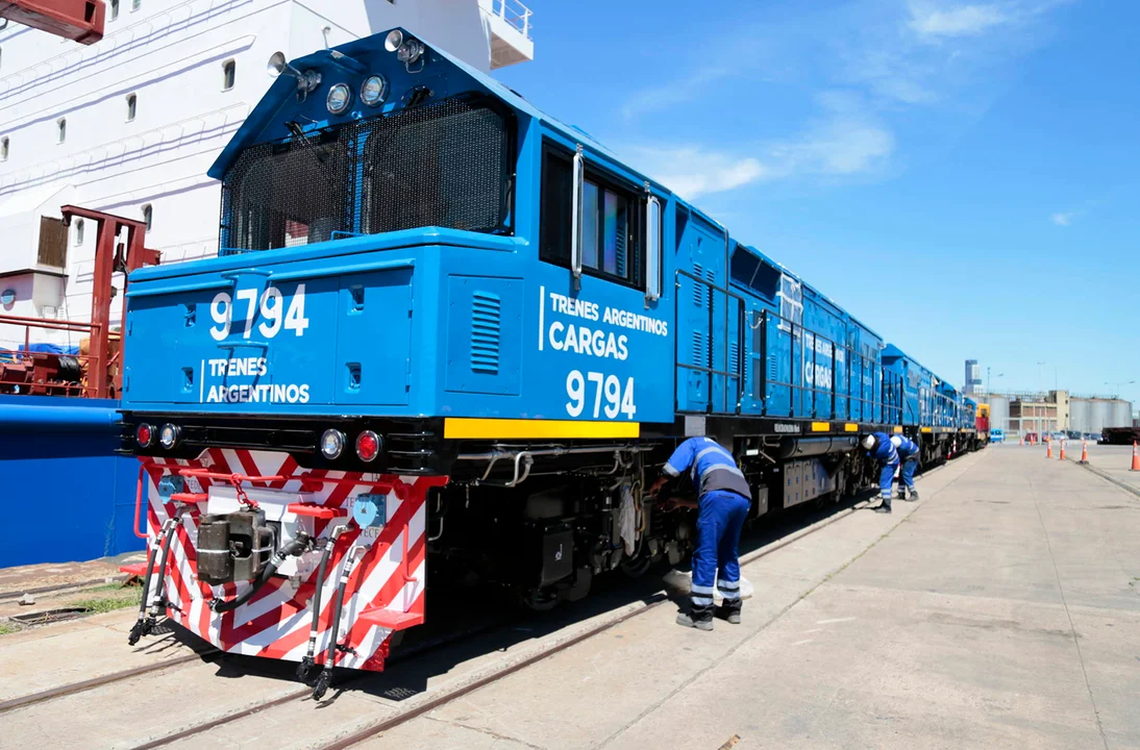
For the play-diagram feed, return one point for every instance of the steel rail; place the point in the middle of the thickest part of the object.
(107, 679)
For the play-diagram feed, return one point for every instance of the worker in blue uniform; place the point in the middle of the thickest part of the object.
(723, 500)
(908, 456)
(880, 448)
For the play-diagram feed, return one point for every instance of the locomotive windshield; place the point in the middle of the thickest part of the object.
(446, 165)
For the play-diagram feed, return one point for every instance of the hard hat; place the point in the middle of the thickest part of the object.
(896, 441)
(869, 442)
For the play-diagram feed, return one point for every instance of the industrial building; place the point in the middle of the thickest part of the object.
(1021, 412)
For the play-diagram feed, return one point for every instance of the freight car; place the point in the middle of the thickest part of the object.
(447, 333)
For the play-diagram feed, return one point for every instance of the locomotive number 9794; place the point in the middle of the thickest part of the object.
(270, 307)
(609, 398)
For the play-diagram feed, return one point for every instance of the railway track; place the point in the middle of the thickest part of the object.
(429, 699)
(100, 681)
(446, 695)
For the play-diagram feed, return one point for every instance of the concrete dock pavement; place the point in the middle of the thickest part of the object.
(1114, 463)
(1000, 611)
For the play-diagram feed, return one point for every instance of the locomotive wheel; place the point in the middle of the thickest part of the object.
(636, 567)
(540, 600)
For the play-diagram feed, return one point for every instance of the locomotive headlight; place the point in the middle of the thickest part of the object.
(340, 96)
(374, 90)
(332, 443)
(168, 435)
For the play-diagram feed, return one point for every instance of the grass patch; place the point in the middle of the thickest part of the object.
(9, 627)
(123, 599)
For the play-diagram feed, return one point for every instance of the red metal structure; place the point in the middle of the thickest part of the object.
(95, 374)
(78, 20)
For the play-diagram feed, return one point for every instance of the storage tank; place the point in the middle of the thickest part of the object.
(999, 410)
(1121, 414)
(1080, 415)
(1100, 414)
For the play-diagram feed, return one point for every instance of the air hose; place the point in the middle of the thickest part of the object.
(325, 677)
(293, 548)
(327, 548)
(145, 623)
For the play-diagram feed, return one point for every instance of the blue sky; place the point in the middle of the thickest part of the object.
(963, 177)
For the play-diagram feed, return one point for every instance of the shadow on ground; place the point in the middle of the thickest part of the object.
(468, 623)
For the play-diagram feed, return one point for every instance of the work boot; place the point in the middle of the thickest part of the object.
(901, 495)
(882, 508)
(913, 496)
(729, 611)
(701, 619)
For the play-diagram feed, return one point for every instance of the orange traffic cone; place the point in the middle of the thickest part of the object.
(1084, 452)
(1062, 456)
(1020, 440)
(1135, 458)
(1048, 449)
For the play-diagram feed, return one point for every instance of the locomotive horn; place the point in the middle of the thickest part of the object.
(277, 65)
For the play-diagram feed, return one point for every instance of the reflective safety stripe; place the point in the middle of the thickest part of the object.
(671, 471)
(714, 449)
(728, 585)
(699, 589)
(701, 601)
(731, 596)
(722, 467)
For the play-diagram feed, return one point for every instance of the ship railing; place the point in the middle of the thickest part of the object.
(43, 373)
(514, 13)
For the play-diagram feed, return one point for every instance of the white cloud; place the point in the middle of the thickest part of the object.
(964, 20)
(1063, 219)
(844, 144)
(847, 141)
(872, 67)
(691, 171)
(672, 94)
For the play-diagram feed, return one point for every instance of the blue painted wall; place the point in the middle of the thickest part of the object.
(65, 495)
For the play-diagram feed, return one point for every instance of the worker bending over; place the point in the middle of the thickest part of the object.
(908, 455)
(890, 451)
(723, 500)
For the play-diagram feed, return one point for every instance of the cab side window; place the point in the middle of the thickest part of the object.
(611, 221)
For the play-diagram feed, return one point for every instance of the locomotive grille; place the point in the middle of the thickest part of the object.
(287, 193)
(445, 165)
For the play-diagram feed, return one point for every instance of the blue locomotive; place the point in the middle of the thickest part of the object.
(422, 275)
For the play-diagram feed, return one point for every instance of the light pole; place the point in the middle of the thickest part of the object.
(1038, 409)
(988, 380)
(1118, 383)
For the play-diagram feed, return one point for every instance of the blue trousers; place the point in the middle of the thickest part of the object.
(886, 478)
(906, 476)
(720, 518)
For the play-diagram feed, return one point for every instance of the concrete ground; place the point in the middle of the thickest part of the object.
(1114, 462)
(1003, 611)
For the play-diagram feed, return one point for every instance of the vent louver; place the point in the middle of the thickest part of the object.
(486, 312)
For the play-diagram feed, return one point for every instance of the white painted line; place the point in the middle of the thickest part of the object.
(837, 619)
(541, 314)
